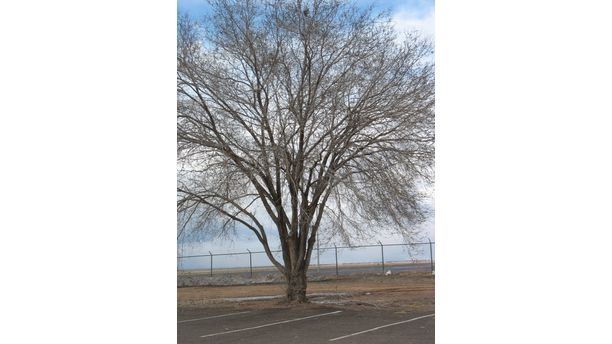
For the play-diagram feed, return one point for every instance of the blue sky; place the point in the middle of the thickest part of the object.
(406, 14)
(420, 6)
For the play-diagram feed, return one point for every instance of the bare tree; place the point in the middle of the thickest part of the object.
(305, 114)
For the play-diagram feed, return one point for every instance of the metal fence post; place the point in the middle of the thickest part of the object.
(318, 262)
(211, 257)
(336, 249)
(382, 254)
(250, 263)
(431, 256)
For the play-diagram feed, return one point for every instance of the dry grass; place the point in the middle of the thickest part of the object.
(406, 291)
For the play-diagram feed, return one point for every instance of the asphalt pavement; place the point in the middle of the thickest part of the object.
(301, 325)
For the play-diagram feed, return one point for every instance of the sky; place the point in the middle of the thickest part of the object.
(407, 15)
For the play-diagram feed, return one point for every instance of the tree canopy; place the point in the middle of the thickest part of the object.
(304, 115)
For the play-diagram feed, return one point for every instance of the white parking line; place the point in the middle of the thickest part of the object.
(272, 324)
(379, 327)
(216, 316)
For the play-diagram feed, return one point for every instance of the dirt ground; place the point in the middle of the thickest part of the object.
(405, 291)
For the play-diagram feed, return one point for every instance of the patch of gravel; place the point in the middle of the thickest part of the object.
(194, 280)
(343, 303)
(197, 280)
(315, 298)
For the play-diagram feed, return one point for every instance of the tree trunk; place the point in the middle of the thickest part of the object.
(296, 287)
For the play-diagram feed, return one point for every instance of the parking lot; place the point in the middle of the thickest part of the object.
(307, 324)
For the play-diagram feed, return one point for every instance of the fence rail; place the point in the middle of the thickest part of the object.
(345, 259)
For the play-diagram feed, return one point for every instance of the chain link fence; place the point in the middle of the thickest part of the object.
(254, 266)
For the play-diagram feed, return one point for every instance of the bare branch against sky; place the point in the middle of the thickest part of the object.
(301, 117)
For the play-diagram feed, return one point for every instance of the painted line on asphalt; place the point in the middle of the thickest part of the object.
(379, 327)
(272, 324)
(216, 316)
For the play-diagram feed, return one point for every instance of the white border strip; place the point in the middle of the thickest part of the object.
(216, 316)
(272, 324)
(379, 327)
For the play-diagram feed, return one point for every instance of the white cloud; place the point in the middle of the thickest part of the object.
(406, 20)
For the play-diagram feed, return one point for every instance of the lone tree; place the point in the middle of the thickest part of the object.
(294, 116)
